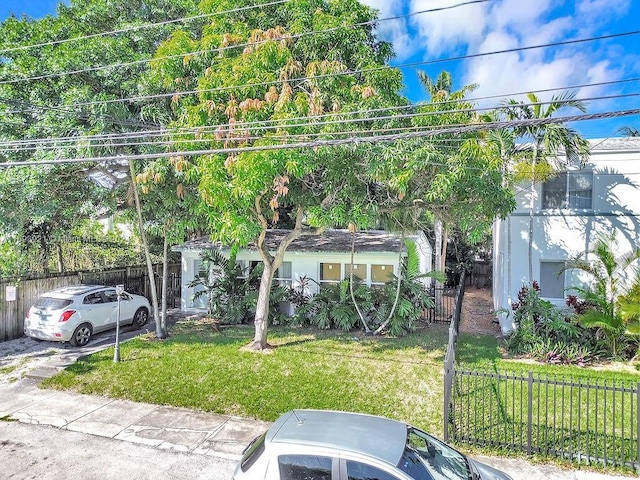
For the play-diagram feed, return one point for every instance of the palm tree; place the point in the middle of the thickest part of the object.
(613, 308)
(630, 131)
(542, 143)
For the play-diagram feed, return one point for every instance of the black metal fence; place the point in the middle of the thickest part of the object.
(444, 299)
(580, 420)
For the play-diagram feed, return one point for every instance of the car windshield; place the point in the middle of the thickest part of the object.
(425, 457)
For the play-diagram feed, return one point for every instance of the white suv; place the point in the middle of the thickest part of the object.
(74, 313)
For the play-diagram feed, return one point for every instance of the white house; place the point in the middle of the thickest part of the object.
(569, 211)
(323, 258)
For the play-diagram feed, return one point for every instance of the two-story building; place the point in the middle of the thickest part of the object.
(569, 210)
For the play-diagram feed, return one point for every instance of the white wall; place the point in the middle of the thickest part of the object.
(561, 234)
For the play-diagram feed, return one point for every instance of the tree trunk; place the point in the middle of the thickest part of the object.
(152, 279)
(353, 297)
(59, 255)
(262, 308)
(531, 207)
(165, 277)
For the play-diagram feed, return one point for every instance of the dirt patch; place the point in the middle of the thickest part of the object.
(478, 316)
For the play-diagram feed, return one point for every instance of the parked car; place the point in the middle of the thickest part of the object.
(330, 445)
(74, 313)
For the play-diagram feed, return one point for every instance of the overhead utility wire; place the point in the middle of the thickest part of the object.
(239, 127)
(176, 131)
(138, 27)
(335, 74)
(337, 142)
(230, 47)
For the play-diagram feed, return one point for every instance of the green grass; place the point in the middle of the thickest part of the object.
(198, 367)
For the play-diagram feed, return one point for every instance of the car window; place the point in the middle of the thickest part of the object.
(110, 296)
(362, 471)
(442, 461)
(304, 467)
(49, 303)
(93, 298)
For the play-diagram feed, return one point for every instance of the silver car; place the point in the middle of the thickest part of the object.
(329, 445)
(72, 314)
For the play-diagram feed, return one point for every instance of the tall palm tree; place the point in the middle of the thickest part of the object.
(542, 143)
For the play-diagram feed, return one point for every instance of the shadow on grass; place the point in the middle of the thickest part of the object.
(475, 349)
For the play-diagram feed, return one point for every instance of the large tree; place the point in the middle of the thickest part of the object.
(266, 77)
(59, 83)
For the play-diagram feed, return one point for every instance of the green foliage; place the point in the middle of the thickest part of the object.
(231, 293)
(543, 331)
(611, 305)
(46, 202)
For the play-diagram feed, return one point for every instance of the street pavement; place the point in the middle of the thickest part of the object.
(171, 429)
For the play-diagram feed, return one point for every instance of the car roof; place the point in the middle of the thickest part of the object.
(378, 437)
(73, 290)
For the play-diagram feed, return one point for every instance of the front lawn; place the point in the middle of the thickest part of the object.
(199, 367)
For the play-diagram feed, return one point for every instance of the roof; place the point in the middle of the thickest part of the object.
(618, 143)
(331, 241)
(378, 437)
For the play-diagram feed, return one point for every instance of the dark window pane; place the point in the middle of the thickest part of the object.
(304, 467)
(554, 192)
(362, 471)
(551, 285)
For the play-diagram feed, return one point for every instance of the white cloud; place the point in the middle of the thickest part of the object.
(448, 29)
(394, 31)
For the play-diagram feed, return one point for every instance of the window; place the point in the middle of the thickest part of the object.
(283, 274)
(330, 273)
(359, 270)
(93, 298)
(381, 274)
(362, 471)
(568, 190)
(307, 467)
(110, 296)
(551, 280)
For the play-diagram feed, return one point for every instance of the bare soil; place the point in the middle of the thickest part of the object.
(478, 315)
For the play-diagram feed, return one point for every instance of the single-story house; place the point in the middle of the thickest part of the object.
(323, 258)
(570, 210)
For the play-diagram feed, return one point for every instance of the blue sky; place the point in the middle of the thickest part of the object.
(499, 25)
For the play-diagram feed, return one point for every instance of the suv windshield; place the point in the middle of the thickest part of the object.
(426, 457)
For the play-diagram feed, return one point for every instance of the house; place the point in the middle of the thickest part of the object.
(323, 258)
(569, 211)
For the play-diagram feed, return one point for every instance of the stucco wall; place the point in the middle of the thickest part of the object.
(559, 234)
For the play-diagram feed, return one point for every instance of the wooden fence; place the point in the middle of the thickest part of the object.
(135, 279)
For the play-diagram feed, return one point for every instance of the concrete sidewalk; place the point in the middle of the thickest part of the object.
(177, 429)
(158, 426)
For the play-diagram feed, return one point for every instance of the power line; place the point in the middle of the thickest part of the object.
(337, 142)
(235, 46)
(335, 74)
(246, 127)
(138, 27)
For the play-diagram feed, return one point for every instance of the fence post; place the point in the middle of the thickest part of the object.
(448, 382)
(529, 413)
